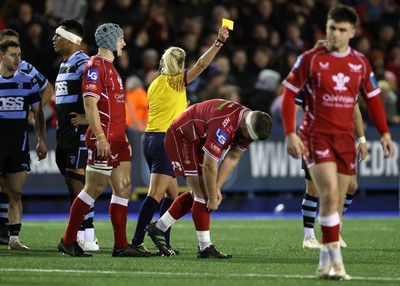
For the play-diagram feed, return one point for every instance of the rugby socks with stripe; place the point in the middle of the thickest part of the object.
(3, 215)
(79, 209)
(118, 213)
(309, 211)
(201, 219)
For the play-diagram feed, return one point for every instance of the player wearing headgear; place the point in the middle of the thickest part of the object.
(109, 152)
(71, 152)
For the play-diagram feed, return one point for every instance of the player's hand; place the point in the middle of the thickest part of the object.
(103, 150)
(41, 150)
(78, 119)
(223, 34)
(219, 196)
(294, 145)
(212, 205)
(362, 151)
(387, 146)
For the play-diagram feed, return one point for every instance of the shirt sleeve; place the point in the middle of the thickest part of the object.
(92, 82)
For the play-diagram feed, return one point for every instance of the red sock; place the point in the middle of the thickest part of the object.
(118, 215)
(181, 205)
(77, 213)
(201, 216)
(330, 233)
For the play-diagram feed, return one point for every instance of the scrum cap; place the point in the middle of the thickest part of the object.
(107, 36)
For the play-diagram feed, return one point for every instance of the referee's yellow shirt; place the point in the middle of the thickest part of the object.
(167, 100)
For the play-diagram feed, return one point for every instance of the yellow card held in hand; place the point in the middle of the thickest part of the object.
(228, 23)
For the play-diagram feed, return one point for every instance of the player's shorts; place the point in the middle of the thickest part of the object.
(13, 160)
(120, 152)
(186, 158)
(337, 148)
(306, 171)
(71, 157)
(155, 154)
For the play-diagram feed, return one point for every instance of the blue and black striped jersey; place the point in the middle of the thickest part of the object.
(69, 93)
(17, 94)
(33, 72)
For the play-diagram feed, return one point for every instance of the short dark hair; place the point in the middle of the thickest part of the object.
(5, 44)
(263, 124)
(8, 32)
(72, 25)
(343, 13)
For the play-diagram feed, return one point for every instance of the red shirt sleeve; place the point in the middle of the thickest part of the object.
(377, 113)
(288, 110)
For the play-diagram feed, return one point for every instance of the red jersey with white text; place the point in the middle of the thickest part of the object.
(332, 81)
(102, 81)
(212, 125)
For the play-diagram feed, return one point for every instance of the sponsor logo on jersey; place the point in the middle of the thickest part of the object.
(324, 66)
(12, 103)
(91, 87)
(340, 79)
(215, 147)
(338, 98)
(322, 153)
(355, 68)
(221, 137)
(298, 62)
(61, 88)
(226, 122)
(120, 98)
(120, 83)
(92, 75)
(373, 80)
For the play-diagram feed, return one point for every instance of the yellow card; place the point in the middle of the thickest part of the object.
(228, 23)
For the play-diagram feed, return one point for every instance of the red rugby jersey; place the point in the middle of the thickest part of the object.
(101, 80)
(212, 125)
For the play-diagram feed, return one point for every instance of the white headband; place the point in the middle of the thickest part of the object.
(250, 129)
(69, 36)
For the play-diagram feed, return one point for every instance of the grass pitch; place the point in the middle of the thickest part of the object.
(265, 252)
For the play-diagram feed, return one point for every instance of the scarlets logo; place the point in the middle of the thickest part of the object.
(340, 79)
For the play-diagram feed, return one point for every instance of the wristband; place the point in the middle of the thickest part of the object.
(219, 43)
(362, 140)
(101, 137)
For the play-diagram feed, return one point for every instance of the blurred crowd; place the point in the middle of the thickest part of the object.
(268, 36)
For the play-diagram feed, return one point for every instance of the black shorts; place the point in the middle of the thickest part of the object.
(155, 154)
(14, 155)
(73, 156)
(306, 171)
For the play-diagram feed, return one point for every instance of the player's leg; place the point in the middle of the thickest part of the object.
(353, 187)
(14, 183)
(348, 200)
(96, 180)
(309, 212)
(158, 184)
(4, 234)
(121, 183)
(171, 194)
(201, 218)
(329, 184)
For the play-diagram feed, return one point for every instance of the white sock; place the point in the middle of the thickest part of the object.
(324, 257)
(89, 234)
(204, 239)
(334, 251)
(165, 221)
(13, 238)
(308, 232)
(81, 235)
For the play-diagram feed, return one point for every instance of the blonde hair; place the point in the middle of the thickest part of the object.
(172, 61)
